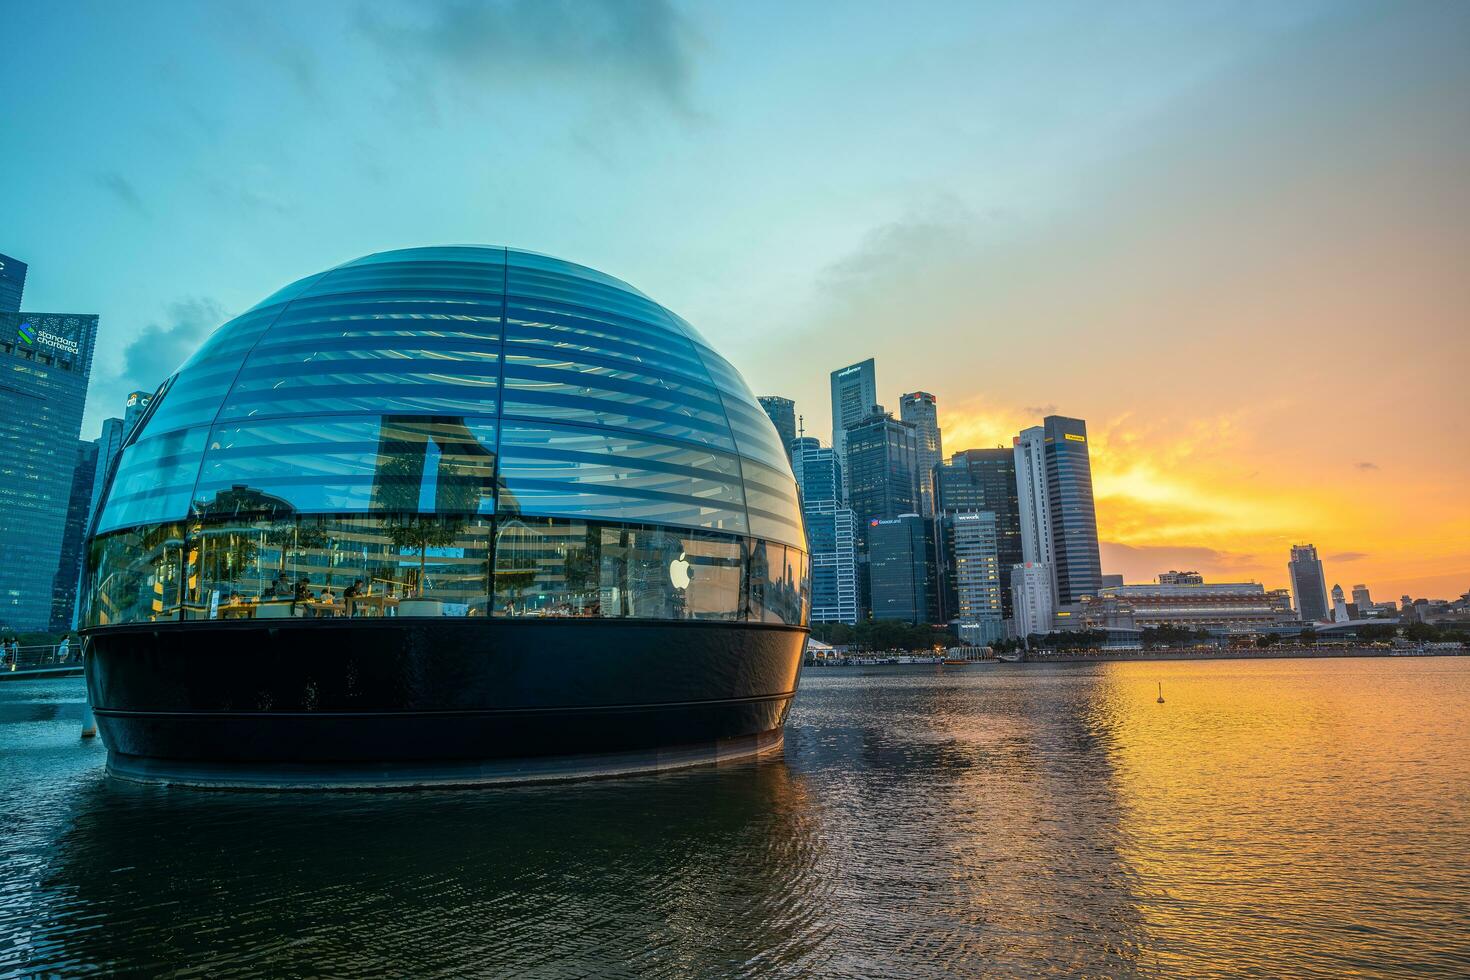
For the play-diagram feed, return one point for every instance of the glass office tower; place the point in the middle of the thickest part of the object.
(854, 393)
(782, 412)
(12, 283)
(831, 530)
(464, 512)
(901, 582)
(69, 561)
(979, 480)
(45, 362)
(921, 410)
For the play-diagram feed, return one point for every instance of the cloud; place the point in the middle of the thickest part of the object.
(161, 347)
(123, 189)
(1347, 556)
(642, 47)
(1367, 466)
(1041, 411)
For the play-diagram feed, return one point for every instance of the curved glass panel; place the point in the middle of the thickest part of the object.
(283, 565)
(449, 396)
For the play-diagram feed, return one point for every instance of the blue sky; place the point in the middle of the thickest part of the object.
(1170, 219)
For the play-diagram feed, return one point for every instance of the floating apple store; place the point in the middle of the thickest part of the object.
(454, 514)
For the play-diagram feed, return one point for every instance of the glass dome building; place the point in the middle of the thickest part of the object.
(445, 515)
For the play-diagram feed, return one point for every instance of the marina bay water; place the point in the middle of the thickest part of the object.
(1285, 817)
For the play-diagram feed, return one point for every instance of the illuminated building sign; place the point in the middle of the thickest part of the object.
(846, 371)
(59, 343)
(27, 333)
(1073, 437)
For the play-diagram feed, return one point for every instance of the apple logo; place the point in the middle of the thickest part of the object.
(679, 572)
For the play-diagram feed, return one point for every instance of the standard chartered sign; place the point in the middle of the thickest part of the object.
(58, 342)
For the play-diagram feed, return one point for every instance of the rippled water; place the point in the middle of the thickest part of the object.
(1272, 818)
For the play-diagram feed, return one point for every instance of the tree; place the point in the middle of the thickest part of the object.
(1308, 635)
(1267, 640)
(420, 532)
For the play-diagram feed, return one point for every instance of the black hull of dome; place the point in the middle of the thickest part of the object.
(417, 702)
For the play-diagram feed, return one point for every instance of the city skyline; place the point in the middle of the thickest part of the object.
(1214, 236)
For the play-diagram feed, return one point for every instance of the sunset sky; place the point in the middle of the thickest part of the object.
(1233, 237)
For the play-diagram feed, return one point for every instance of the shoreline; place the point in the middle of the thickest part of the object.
(1124, 656)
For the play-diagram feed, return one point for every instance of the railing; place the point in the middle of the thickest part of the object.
(43, 657)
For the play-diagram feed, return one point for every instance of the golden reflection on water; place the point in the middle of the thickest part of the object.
(1279, 812)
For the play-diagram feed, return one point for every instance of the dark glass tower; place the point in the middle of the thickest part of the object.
(1078, 568)
(78, 510)
(979, 480)
(783, 416)
(12, 283)
(882, 480)
(45, 363)
(1308, 584)
(900, 570)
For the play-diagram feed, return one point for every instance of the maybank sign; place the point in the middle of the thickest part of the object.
(1074, 437)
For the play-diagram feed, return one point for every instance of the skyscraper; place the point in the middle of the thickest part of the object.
(977, 576)
(881, 479)
(783, 415)
(109, 444)
(1054, 494)
(45, 364)
(980, 480)
(1308, 584)
(69, 562)
(921, 410)
(136, 405)
(882, 467)
(901, 583)
(831, 531)
(12, 283)
(1362, 599)
(854, 393)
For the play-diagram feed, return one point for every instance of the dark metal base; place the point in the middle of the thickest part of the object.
(448, 774)
(357, 704)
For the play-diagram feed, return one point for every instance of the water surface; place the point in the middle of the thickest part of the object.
(1271, 818)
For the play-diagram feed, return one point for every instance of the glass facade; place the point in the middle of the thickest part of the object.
(459, 431)
(45, 363)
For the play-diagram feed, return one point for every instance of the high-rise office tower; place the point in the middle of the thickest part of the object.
(980, 479)
(1308, 584)
(882, 467)
(854, 393)
(12, 283)
(109, 444)
(45, 364)
(69, 562)
(1032, 598)
(980, 611)
(901, 585)
(881, 480)
(783, 415)
(1054, 494)
(137, 403)
(831, 531)
(921, 410)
